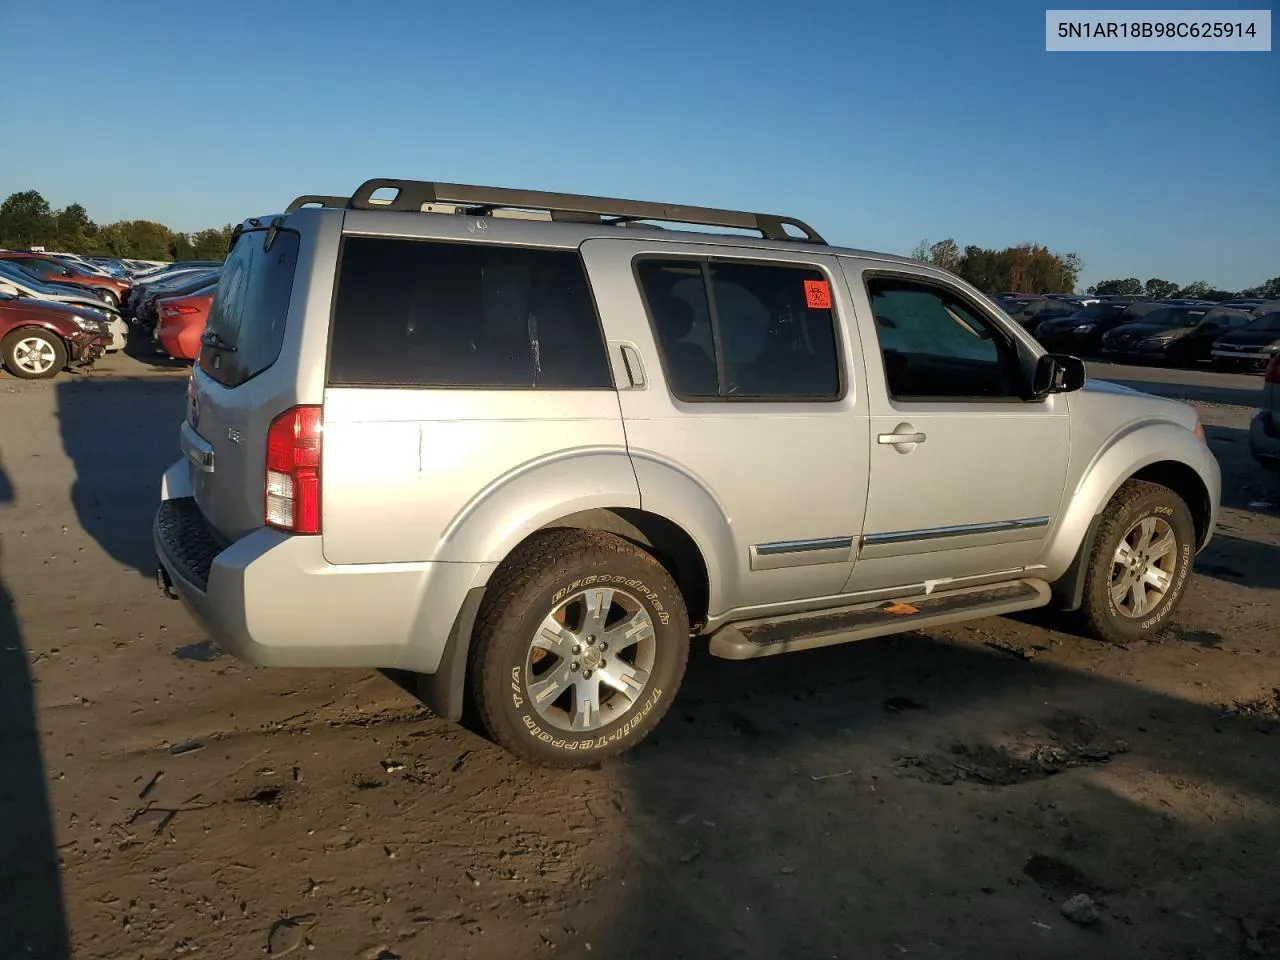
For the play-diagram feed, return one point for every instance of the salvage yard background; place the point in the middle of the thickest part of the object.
(939, 794)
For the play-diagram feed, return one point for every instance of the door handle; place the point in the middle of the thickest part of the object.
(903, 439)
(635, 369)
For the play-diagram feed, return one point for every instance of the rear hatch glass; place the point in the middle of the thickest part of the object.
(225, 435)
(246, 322)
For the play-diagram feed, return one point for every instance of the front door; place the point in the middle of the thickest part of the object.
(967, 473)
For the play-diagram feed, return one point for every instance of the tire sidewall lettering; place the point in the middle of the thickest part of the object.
(517, 696)
(1125, 519)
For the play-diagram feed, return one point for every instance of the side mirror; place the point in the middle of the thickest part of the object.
(1057, 373)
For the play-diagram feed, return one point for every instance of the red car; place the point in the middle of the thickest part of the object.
(48, 267)
(39, 338)
(180, 322)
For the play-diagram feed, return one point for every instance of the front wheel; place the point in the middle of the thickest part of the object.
(1139, 563)
(33, 354)
(579, 647)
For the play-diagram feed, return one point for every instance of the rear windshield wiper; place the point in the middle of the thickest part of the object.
(211, 339)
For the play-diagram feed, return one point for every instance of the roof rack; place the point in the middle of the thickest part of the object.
(413, 195)
(310, 198)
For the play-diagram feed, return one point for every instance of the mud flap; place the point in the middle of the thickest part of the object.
(445, 691)
(1068, 590)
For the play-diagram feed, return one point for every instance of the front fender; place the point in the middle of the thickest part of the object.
(533, 495)
(1129, 450)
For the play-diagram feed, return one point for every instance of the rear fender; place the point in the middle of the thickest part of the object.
(495, 521)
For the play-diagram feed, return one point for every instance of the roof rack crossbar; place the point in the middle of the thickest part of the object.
(322, 201)
(411, 195)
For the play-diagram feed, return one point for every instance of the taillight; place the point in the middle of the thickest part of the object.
(1272, 374)
(293, 471)
(177, 309)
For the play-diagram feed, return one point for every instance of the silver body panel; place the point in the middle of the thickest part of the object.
(794, 506)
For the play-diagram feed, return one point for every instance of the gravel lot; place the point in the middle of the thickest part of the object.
(935, 795)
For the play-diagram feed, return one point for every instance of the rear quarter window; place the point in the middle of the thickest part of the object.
(245, 329)
(430, 313)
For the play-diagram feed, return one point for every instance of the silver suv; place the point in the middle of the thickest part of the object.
(529, 446)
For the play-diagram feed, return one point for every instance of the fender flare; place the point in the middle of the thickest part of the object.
(1113, 465)
(531, 496)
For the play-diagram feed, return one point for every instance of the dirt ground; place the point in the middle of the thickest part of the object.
(931, 795)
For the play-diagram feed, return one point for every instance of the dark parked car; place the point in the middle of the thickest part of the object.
(1149, 338)
(1196, 345)
(1251, 347)
(1264, 429)
(38, 338)
(166, 279)
(1032, 313)
(1080, 333)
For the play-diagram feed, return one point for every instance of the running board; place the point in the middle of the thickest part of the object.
(749, 639)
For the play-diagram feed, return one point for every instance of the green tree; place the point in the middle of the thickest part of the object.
(211, 244)
(1194, 291)
(1267, 291)
(73, 230)
(147, 239)
(26, 220)
(180, 247)
(944, 254)
(1158, 289)
(1130, 287)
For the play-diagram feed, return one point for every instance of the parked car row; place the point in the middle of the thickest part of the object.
(61, 309)
(1241, 335)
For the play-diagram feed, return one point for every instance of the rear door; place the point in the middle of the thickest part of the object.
(236, 386)
(743, 380)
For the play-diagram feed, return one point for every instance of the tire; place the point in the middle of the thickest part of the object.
(1122, 605)
(33, 354)
(550, 579)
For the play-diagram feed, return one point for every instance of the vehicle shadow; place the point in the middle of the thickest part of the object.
(142, 349)
(120, 433)
(919, 796)
(32, 919)
(1246, 563)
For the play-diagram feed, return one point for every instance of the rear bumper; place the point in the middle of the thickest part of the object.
(272, 599)
(1264, 439)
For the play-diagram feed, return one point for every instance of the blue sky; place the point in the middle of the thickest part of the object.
(881, 123)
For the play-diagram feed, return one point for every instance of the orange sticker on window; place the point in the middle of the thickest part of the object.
(817, 294)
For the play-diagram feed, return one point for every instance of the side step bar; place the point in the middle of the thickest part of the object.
(749, 639)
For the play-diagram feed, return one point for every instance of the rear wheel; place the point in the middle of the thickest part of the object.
(1139, 563)
(579, 647)
(33, 354)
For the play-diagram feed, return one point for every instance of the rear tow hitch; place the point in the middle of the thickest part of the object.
(164, 583)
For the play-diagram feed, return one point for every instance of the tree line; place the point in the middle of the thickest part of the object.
(1159, 289)
(27, 220)
(1026, 268)
(1033, 268)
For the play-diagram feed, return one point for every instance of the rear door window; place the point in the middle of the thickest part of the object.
(737, 330)
(246, 322)
(430, 313)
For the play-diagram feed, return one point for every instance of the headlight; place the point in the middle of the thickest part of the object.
(1083, 328)
(87, 324)
(1159, 341)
